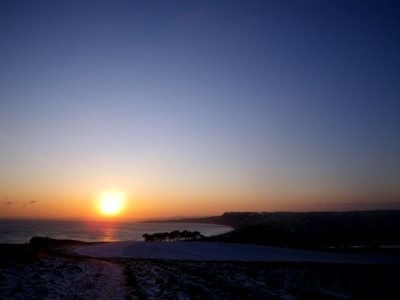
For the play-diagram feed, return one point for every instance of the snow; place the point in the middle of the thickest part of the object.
(186, 270)
(65, 278)
(225, 252)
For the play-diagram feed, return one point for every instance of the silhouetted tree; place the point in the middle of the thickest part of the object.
(175, 235)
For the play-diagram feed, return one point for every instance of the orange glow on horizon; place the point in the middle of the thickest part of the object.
(86, 203)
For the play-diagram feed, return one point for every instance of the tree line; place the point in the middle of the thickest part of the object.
(175, 235)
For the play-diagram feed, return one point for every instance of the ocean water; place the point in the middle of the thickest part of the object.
(21, 231)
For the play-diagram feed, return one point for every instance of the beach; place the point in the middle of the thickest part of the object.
(175, 270)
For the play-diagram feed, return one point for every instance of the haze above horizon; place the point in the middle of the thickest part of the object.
(198, 107)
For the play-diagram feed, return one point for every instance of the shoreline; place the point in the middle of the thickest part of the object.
(15, 232)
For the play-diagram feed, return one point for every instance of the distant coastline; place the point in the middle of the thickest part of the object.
(241, 219)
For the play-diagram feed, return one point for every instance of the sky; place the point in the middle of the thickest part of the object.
(198, 107)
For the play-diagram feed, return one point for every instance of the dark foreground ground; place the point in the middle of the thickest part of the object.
(44, 272)
(246, 280)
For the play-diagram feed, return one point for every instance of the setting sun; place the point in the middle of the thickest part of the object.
(111, 203)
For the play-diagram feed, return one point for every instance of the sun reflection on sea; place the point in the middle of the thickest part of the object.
(102, 231)
(108, 235)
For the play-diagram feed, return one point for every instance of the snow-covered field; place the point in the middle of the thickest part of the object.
(61, 278)
(196, 270)
(225, 252)
(195, 279)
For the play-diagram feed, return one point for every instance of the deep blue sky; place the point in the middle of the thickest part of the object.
(241, 102)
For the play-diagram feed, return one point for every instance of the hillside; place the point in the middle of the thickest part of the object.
(315, 230)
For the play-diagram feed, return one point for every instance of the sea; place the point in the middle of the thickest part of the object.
(21, 231)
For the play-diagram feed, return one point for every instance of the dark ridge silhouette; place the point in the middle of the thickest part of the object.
(352, 230)
(242, 219)
(37, 246)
